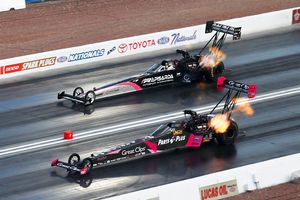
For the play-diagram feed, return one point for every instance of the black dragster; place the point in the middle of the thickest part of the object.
(186, 70)
(189, 133)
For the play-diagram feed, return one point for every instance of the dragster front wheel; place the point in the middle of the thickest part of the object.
(73, 159)
(78, 91)
(90, 97)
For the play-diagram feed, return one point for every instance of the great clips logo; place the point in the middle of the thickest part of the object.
(124, 47)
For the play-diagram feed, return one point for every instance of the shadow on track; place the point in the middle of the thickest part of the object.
(171, 95)
(176, 165)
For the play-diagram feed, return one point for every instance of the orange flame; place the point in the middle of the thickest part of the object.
(219, 123)
(244, 106)
(212, 59)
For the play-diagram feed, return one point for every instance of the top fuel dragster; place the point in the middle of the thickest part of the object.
(188, 133)
(186, 70)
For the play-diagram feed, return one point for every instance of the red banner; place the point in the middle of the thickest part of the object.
(296, 16)
(12, 68)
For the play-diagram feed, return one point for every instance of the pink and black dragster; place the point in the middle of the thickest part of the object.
(188, 133)
(186, 70)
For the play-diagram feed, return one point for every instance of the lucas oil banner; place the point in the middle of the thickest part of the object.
(219, 190)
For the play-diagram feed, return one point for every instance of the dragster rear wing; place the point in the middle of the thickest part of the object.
(234, 31)
(224, 82)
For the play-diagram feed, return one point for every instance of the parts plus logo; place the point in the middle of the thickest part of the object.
(177, 138)
(163, 40)
(122, 48)
(177, 37)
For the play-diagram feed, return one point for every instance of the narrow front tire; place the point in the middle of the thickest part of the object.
(73, 159)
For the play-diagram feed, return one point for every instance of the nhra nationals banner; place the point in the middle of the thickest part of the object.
(219, 191)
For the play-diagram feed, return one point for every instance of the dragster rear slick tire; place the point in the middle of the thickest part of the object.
(229, 136)
(212, 75)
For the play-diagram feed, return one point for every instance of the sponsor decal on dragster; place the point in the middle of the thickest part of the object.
(194, 140)
(171, 140)
(239, 85)
(152, 146)
(86, 55)
(122, 48)
(67, 166)
(62, 59)
(177, 37)
(137, 151)
(157, 79)
(135, 86)
(163, 40)
(112, 160)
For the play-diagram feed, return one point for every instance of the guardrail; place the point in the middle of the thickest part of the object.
(138, 45)
(225, 183)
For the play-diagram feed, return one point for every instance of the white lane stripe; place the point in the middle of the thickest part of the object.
(139, 123)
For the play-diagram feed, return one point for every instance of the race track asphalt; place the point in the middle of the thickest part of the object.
(30, 113)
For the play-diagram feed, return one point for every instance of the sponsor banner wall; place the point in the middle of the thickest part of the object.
(224, 183)
(104, 50)
(179, 38)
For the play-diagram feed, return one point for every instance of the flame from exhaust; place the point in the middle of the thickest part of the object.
(213, 58)
(243, 106)
(219, 123)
